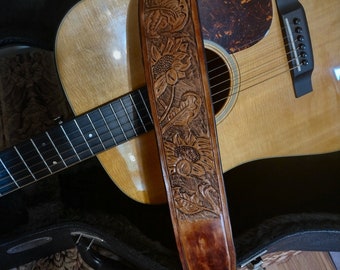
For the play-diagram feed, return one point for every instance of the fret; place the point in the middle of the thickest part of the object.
(32, 160)
(58, 151)
(138, 114)
(16, 168)
(102, 129)
(89, 134)
(7, 172)
(143, 93)
(118, 124)
(7, 181)
(23, 161)
(133, 115)
(145, 98)
(143, 108)
(110, 119)
(49, 152)
(95, 130)
(107, 125)
(124, 106)
(63, 145)
(40, 155)
(77, 140)
(82, 134)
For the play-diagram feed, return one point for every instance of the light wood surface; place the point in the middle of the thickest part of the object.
(296, 260)
(304, 261)
(98, 59)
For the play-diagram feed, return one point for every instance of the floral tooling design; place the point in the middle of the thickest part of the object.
(169, 63)
(181, 108)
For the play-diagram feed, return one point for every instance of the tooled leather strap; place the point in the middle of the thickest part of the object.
(184, 123)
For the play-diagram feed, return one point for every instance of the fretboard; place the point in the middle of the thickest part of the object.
(74, 141)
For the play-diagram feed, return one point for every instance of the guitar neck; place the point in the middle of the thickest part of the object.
(74, 141)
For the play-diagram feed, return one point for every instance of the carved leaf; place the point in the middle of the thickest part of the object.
(188, 109)
(166, 16)
(186, 204)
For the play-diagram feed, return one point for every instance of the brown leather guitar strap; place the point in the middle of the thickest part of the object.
(182, 111)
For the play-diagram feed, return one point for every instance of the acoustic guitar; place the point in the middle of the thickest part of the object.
(252, 54)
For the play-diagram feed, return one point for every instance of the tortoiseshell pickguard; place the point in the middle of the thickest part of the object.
(235, 24)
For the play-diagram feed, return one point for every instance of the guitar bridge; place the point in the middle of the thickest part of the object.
(298, 44)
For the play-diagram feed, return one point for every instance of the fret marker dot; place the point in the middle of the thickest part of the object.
(90, 135)
(43, 144)
(55, 162)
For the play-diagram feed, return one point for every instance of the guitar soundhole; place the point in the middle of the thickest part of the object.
(219, 78)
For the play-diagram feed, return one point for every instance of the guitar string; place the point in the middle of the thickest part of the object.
(255, 41)
(278, 69)
(256, 77)
(242, 89)
(233, 80)
(251, 42)
(72, 156)
(264, 65)
(108, 131)
(215, 102)
(104, 148)
(82, 144)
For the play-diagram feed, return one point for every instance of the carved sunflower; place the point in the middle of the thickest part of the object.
(189, 156)
(169, 64)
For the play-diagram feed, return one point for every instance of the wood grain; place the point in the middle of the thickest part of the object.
(296, 260)
(304, 260)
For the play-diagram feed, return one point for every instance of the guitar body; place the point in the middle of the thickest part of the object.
(99, 59)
